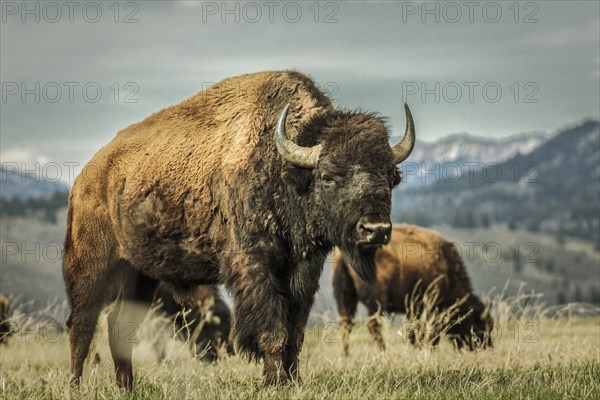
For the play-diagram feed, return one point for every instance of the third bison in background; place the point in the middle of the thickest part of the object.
(205, 325)
(5, 328)
(416, 259)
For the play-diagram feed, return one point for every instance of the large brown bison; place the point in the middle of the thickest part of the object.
(205, 325)
(5, 328)
(415, 259)
(250, 183)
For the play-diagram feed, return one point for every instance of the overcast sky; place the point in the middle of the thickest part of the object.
(542, 56)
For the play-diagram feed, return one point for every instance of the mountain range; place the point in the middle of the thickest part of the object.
(23, 185)
(553, 188)
(531, 181)
(429, 160)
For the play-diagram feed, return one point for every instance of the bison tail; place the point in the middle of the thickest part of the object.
(68, 236)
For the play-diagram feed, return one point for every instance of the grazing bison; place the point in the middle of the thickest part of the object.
(5, 329)
(416, 258)
(207, 323)
(251, 183)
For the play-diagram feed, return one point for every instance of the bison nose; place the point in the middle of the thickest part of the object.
(373, 232)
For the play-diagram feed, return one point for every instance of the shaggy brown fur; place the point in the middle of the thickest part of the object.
(199, 194)
(414, 256)
(207, 322)
(5, 329)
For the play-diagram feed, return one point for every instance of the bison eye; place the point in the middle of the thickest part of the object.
(328, 180)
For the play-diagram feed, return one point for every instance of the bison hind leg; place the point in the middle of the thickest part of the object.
(346, 324)
(87, 297)
(83, 324)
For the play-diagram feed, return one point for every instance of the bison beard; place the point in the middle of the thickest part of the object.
(227, 188)
(363, 262)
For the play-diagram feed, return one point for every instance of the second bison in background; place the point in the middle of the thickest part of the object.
(205, 325)
(416, 259)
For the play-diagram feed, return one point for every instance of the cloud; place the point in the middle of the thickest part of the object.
(557, 37)
(189, 3)
(23, 156)
(173, 52)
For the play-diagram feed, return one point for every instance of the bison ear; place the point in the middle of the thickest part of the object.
(299, 178)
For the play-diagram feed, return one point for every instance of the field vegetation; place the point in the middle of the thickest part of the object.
(538, 352)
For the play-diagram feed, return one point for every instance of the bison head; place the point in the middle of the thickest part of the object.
(482, 328)
(343, 171)
(475, 331)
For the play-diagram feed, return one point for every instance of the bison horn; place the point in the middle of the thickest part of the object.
(305, 157)
(403, 149)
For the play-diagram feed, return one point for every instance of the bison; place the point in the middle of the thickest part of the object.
(415, 259)
(5, 328)
(250, 183)
(205, 325)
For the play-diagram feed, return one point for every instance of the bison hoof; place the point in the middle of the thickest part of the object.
(277, 380)
(124, 380)
(74, 381)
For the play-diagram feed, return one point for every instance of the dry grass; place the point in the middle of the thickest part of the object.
(534, 356)
(430, 324)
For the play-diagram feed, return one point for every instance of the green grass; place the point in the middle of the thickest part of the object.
(560, 359)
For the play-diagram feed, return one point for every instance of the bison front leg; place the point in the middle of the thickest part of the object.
(303, 285)
(346, 299)
(273, 370)
(290, 360)
(299, 312)
(260, 319)
(273, 347)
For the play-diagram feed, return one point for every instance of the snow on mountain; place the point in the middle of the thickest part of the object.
(16, 183)
(429, 160)
(466, 147)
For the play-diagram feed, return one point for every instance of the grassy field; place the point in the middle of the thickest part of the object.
(531, 358)
(534, 356)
